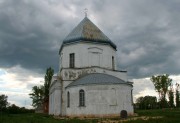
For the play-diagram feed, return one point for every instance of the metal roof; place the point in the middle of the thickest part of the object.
(99, 79)
(88, 32)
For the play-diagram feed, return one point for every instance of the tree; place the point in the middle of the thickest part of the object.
(177, 96)
(40, 95)
(161, 84)
(3, 102)
(13, 109)
(171, 97)
(48, 77)
(147, 102)
(37, 96)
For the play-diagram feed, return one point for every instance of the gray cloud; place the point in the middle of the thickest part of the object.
(27, 36)
(146, 32)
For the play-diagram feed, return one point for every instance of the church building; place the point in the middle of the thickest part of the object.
(88, 82)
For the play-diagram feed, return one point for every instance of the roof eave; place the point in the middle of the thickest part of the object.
(127, 83)
(67, 42)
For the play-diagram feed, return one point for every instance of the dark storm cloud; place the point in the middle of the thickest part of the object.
(28, 35)
(153, 47)
(146, 32)
(146, 35)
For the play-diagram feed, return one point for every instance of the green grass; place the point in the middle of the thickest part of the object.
(165, 116)
(38, 118)
(168, 116)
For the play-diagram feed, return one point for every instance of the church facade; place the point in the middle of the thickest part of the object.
(88, 82)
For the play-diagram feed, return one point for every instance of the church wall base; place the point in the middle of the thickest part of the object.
(83, 116)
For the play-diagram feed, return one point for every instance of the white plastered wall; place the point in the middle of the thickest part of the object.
(88, 55)
(100, 100)
(55, 98)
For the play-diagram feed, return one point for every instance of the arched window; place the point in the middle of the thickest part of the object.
(68, 99)
(81, 98)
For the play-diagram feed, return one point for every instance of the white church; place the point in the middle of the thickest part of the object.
(88, 82)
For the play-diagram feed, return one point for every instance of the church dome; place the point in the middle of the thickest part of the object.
(86, 31)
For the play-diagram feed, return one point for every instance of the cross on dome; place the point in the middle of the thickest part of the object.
(85, 12)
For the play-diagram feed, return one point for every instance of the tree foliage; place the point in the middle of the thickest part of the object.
(3, 102)
(171, 97)
(147, 102)
(40, 95)
(48, 77)
(37, 96)
(13, 109)
(177, 96)
(161, 84)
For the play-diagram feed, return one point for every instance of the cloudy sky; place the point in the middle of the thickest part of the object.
(146, 32)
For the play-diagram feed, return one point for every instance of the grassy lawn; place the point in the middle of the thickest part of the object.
(37, 118)
(144, 116)
(165, 116)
